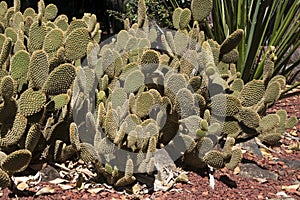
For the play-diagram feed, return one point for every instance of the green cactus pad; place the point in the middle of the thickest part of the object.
(12, 34)
(223, 105)
(88, 153)
(3, 8)
(272, 92)
(249, 117)
(4, 179)
(31, 102)
(62, 23)
(111, 124)
(53, 40)
(149, 61)
(185, 18)
(142, 13)
(33, 137)
(231, 57)
(270, 138)
(60, 79)
(280, 79)
(16, 161)
(60, 101)
(176, 17)
(173, 84)
(20, 64)
(74, 136)
(237, 85)
(268, 69)
(228, 147)
(201, 9)
(181, 40)
(236, 157)
(29, 12)
(14, 135)
(6, 47)
(291, 122)
(144, 103)
(37, 33)
(38, 68)
(231, 41)
(76, 44)
(214, 159)
(252, 93)
(269, 122)
(7, 87)
(50, 11)
(125, 181)
(134, 81)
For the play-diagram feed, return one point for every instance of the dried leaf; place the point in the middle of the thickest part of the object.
(58, 181)
(45, 190)
(136, 188)
(95, 190)
(22, 186)
(290, 188)
(261, 180)
(65, 186)
(265, 152)
(236, 170)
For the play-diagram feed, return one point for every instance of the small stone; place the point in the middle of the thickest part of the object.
(205, 193)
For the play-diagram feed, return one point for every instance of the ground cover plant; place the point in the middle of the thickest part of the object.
(127, 104)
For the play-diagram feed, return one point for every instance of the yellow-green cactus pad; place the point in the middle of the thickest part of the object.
(249, 117)
(185, 18)
(125, 181)
(31, 102)
(16, 161)
(33, 137)
(12, 34)
(3, 8)
(144, 103)
(53, 40)
(37, 33)
(272, 92)
(76, 44)
(50, 11)
(20, 64)
(149, 61)
(181, 41)
(225, 105)
(252, 93)
(88, 153)
(74, 136)
(236, 157)
(4, 179)
(111, 124)
(134, 81)
(231, 41)
(6, 47)
(62, 23)
(173, 84)
(7, 87)
(29, 12)
(231, 57)
(270, 138)
(201, 9)
(228, 147)
(214, 159)
(291, 122)
(268, 69)
(176, 17)
(118, 97)
(280, 79)
(142, 13)
(237, 85)
(14, 135)
(269, 122)
(60, 79)
(38, 68)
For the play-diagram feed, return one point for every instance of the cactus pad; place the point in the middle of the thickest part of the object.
(16, 161)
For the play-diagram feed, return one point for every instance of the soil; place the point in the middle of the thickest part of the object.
(228, 184)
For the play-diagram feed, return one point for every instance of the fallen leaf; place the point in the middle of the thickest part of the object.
(95, 190)
(65, 186)
(236, 170)
(45, 190)
(265, 152)
(22, 186)
(290, 187)
(58, 181)
(261, 180)
(136, 188)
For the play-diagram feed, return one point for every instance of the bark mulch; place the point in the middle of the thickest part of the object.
(228, 184)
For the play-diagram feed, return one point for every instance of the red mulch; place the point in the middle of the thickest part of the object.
(228, 185)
